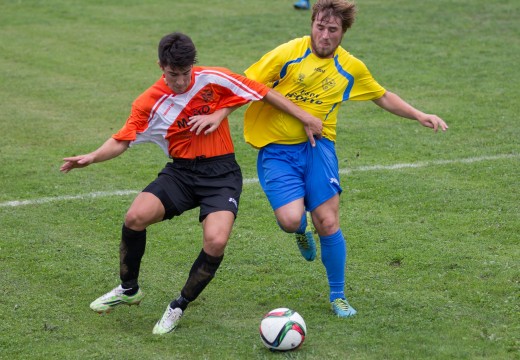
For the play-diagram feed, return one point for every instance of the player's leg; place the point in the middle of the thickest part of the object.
(333, 254)
(281, 171)
(290, 216)
(145, 210)
(323, 190)
(219, 198)
(216, 231)
(293, 218)
(216, 228)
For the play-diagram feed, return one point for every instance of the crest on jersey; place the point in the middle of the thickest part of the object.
(207, 95)
(300, 78)
(328, 83)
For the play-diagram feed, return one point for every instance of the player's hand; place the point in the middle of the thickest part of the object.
(313, 128)
(76, 162)
(434, 122)
(206, 123)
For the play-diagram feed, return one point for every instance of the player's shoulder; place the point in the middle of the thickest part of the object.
(304, 40)
(155, 92)
(345, 58)
(297, 44)
(343, 53)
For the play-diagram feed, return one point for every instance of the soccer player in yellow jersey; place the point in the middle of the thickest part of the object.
(318, 75)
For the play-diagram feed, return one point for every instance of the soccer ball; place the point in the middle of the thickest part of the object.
(282, 329)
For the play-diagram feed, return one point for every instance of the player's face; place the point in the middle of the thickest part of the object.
(326, 35)
(177, 79)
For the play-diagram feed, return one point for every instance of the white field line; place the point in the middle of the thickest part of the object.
(67, 197)
(419, 164)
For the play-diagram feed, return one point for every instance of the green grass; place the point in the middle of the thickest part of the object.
(433, 265)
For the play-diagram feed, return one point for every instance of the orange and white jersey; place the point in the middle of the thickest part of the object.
(161, 116)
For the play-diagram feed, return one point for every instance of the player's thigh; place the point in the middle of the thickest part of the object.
(322, 180)
(174, 188)
(326, 216)
(281, 171)
(146, 209)
(221, 191)
(217, 228)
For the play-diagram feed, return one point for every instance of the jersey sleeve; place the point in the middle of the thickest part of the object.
(137, 121)
(365, 86)
(240, 90)
(268, 68)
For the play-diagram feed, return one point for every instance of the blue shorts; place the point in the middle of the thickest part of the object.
(290, 172)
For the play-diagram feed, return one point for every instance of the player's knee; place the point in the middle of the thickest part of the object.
(135, 220)
(327, 226)
(215, 246)
(289, 224)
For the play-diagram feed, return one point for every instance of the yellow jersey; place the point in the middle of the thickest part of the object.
(318, 86)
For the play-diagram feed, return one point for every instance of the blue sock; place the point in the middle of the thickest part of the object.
(334, 258)
(303, 225)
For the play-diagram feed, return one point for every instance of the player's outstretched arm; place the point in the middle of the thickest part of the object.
(393, 103)
(109, 150)
(313, 125)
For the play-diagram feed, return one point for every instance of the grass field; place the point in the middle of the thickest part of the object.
(432, 219)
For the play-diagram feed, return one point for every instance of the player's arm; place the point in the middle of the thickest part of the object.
(393, 103)
(109, 150)
(313, 125)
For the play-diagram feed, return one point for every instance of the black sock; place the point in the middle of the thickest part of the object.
(202, 272)
(180, 302)
(132, 290)
(131, 251)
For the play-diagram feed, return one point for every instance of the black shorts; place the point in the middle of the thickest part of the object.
(213, 184)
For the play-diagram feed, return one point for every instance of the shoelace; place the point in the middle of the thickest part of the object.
(301, 239)
(170, 318)
(342, 304)
(116, 292)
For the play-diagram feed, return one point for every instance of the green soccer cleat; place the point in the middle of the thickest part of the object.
(111, 299)
(306, 242)
(342, 308)
(168, 322)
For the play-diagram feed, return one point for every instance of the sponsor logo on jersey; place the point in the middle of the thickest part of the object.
(305, 96)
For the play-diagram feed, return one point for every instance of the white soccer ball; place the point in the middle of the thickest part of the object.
(282, 329)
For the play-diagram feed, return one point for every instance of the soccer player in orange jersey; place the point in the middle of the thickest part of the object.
(185, 113)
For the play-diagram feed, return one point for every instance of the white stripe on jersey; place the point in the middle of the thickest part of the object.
(233, 84)
(166, 110)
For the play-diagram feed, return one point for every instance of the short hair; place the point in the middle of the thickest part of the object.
(176, 50)
(343, 9)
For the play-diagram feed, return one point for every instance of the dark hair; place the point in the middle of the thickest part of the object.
(343, 9)
(176, 50)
